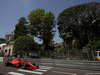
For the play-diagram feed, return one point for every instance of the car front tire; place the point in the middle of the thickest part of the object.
(23, 66)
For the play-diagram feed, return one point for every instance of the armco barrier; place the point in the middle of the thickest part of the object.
(90, 65)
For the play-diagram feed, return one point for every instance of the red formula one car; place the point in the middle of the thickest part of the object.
(21, 63)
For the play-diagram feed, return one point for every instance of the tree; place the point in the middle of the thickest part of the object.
(67, 37)
(21, 28)
(24, 44)
(81, 21)
(41, 26)
(94, 44)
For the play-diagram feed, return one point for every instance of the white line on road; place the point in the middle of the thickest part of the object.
(40, 70)
(45, 67)
(92, 73)
(14, 73)
(30, 71)
(64, 73)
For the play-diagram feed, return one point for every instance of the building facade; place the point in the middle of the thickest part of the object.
(8, 49)
(9, 37)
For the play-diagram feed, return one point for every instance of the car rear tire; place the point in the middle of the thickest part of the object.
(24, 66)
(6, 63)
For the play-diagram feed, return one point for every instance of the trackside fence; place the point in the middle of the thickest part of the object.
(77, 64)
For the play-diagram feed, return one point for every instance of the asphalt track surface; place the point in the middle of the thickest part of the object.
(45, 70)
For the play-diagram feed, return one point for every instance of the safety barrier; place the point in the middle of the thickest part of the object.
(90, 65)
(77, 64)
(1, 59)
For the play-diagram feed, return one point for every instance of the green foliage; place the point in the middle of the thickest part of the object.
(81, 21)
(94, 44)
(67, 37)
(36, 17)
(60, 48)
(21, 28)
(41, 26)
(75, 45)
(25, 44)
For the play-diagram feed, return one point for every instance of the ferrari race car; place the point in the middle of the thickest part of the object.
(21, 63)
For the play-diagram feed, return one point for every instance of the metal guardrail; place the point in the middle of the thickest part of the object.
(77, 64)
(90, 65)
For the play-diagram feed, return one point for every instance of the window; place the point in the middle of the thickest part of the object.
(9, 51)
(6, 51)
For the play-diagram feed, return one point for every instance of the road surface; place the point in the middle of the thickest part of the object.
(45, 70)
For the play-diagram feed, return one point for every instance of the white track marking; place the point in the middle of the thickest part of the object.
(64, 73)
(40, 70)
(14, 73)
(92, 73)
(45, 67)
(30, 71)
